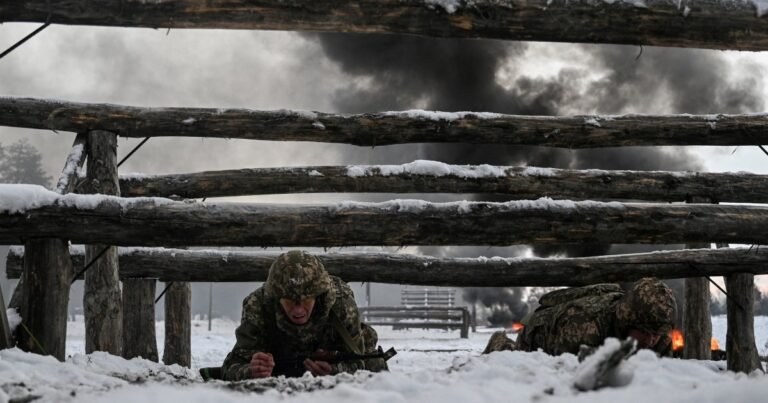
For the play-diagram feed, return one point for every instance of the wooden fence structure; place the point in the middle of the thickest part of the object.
(418, 317)
(45, 228)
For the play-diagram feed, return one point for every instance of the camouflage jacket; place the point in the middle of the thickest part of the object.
(571, 317)
(265, 328)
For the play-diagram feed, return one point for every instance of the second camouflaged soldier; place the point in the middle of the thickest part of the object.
(300, 310)
(588, 315)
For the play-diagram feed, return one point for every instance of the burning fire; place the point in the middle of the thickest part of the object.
(517, 327)
(678, 343)
(677, 340)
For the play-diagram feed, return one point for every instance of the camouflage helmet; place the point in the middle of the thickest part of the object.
(649, 306)
(296, 275)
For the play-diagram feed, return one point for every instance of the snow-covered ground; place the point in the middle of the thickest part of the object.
(431, 365)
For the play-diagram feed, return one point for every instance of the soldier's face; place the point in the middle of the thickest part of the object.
(644, 338)
(298, 311)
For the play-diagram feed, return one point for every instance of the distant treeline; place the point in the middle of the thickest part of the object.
(718, 306)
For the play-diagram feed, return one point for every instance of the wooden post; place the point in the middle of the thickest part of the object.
(5, 329)
(42, 295)
(697, 320)
(740, 346)
(48, 274)
(464, 323)
(139, 338)
(474, 317)
(178, 325)
(102, 300)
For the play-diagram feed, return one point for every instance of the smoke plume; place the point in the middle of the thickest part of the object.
(402, 72)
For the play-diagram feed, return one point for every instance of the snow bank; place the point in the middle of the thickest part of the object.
(431, 365)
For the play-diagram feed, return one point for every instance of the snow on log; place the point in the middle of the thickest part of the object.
(377, 129)
(437, 177)
(119, 221)
(713, 24)
(235, 266)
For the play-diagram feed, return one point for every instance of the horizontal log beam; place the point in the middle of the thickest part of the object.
(424, 325)
(92, 219)
(377, 129)
(435, 177)
(714, 24)
(229, 266)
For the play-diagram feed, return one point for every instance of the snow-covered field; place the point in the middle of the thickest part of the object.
(431, 365)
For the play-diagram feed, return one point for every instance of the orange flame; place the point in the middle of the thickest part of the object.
(517, 327)
(677, 340)
(678, 343)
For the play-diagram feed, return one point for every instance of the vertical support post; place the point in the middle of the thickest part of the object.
(48, 274)
(139, 338)
(697, 319)
(5, 327)
(368, 293)
(102, 300)
(210, 305)
(178, 325)
(464, 323)
(740, 347)
(474, 317)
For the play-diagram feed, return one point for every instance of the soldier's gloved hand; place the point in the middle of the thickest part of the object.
(261, 365)
(318, 368)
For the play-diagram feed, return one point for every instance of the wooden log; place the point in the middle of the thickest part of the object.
(230, 266)
(77, 156)
(5, 328)
(178, 325)
(410, 309)
(139, 319)
(415, 315)
(708, 24)
(423, 325)
(47, 277)
(697, 319)
(516, 182)
(48, 274)
(395, 223)
(378, 129)
(740, 347)
(465, 324)
(102, 298)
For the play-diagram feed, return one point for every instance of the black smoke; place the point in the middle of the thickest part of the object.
(390, 72)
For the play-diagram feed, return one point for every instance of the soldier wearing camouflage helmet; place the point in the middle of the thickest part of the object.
(299, 310)
(588, 315)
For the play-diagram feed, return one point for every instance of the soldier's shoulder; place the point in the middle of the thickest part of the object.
(254, 299)
(596, 292)
(342, 288)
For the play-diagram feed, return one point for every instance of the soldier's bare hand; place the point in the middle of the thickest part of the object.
(261, 365)
(318, 368)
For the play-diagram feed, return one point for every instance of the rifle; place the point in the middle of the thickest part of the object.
(293, 365)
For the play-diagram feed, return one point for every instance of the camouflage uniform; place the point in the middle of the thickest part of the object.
(588, 315)
(266, 328)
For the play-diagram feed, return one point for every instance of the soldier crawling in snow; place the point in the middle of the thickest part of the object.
(588, 315)
(301, 309)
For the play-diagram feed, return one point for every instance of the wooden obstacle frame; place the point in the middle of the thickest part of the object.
(126, 221)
